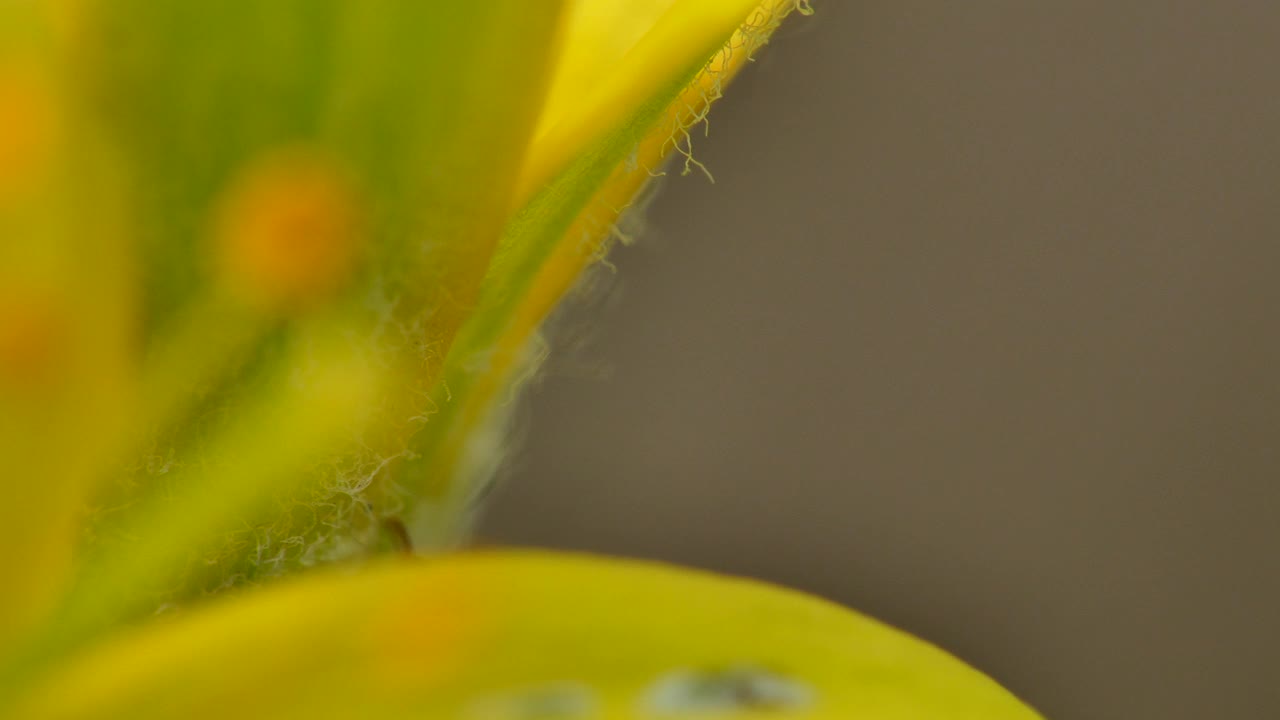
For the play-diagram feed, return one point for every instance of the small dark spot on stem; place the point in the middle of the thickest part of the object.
(399, 535)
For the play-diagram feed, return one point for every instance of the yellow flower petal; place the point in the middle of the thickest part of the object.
(567, 224)
(317, 648)
(587, 237)
(510, 636)
(618, 56)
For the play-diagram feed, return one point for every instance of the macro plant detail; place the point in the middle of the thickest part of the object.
(269, 277)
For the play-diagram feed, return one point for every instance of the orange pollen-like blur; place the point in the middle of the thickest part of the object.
(429, 630)
(289, 231)
(27, 129)
(33, 336)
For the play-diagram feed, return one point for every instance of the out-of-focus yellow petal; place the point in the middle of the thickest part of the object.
(319, 409)
(65, 329)
(322, 647)
(514, 636)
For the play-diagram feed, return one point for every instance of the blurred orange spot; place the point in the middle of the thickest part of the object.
(28, 119)
(288, 233)
(429, 629)
(33, 336)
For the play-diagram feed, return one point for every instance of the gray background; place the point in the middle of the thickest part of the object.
(976, 332)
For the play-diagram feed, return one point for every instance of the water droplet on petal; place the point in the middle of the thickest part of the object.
(735, 688)
(564, 701)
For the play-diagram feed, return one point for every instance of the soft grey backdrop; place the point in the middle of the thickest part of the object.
(976, 332)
